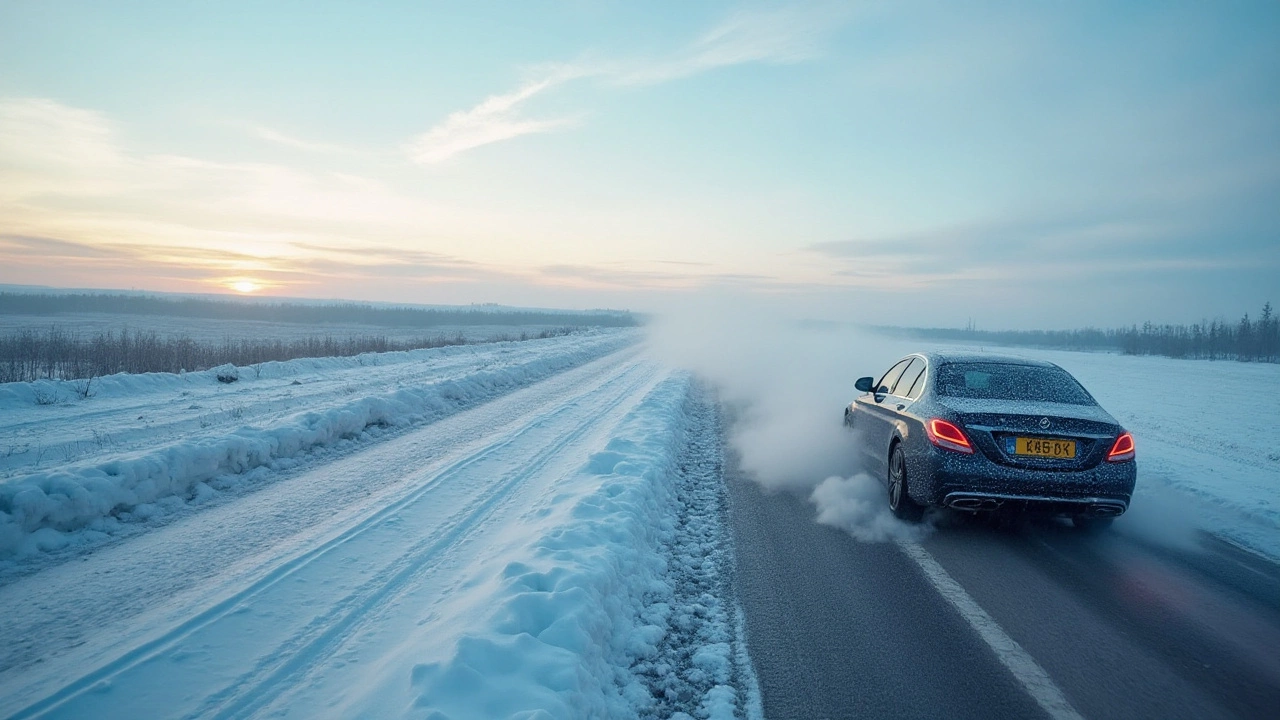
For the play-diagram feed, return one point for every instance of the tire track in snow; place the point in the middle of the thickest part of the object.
(326, 635)
(316, 641)
(187, 406)
(69, 619)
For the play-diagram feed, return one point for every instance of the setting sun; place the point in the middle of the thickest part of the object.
(245, 286)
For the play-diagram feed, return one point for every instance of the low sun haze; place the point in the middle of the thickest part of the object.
(1024, 164)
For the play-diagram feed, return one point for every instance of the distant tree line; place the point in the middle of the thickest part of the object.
(28, 355)
(301, 313)
(1247, 340)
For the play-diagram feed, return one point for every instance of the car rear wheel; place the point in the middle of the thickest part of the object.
(900, 502)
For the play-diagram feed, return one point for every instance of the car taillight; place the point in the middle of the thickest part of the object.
(1123, 449)
(947, 435)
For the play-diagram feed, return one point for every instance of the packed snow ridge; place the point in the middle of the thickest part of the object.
(623, 611)
(87, 501)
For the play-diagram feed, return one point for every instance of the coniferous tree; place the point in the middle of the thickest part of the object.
(1217, 339)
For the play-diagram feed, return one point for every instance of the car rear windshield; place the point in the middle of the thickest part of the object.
(999, 381)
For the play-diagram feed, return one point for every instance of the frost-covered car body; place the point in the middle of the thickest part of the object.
(981, 432)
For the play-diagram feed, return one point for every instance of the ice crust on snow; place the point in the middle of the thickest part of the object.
(22, 395)
(619, 613)
(44, 510)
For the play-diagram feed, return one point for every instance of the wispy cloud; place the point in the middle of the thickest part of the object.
(383, 255)
(1061, 247)
(280, 138)
(782, 36)
(776, 37)
(75, 203)
(47, 248)
(88, 265)
(81, 262)
(615, 277)
(494, 120)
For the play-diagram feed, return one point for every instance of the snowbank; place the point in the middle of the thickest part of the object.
(581, 619)
(39, 510)
(22, 395)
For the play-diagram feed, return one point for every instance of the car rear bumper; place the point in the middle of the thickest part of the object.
(987, 502)
(972, 482)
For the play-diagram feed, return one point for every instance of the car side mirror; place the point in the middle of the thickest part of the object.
(865, 384)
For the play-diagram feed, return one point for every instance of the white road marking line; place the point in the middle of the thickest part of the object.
(1025, 669)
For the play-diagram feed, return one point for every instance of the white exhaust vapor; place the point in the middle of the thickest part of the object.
(785, 383)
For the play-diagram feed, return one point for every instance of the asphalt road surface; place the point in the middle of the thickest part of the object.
(994, 620)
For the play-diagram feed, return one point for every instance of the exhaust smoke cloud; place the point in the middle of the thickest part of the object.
(785, 384)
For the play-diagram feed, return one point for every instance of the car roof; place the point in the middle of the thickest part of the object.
(941, 358)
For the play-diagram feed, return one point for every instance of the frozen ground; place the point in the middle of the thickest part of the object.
(215, 331)
(81, 470)
(555, 551)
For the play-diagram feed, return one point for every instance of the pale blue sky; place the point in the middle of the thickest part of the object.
(1024, 164)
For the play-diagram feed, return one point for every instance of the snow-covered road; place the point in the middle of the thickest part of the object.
(143, 448)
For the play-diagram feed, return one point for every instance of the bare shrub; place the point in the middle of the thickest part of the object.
(102, 439)
(45, 397)
(84, 388)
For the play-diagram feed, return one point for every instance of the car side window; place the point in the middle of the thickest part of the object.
(908, 377)
(917, 386)
(891, 377)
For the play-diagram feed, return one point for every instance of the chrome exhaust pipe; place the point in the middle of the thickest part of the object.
(974, 503)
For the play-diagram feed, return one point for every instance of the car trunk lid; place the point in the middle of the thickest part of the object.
(994, 426)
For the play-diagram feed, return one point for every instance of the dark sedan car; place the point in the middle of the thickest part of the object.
(983, 432)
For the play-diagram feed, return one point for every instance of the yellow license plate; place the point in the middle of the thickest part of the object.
(1042, 447)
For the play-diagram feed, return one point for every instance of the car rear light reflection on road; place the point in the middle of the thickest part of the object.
(1123, 449)
(946, 435)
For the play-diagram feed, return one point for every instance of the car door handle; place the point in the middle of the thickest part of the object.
(901, 405)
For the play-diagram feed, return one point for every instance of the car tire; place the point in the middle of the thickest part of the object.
(1085, 523)
(900, 502)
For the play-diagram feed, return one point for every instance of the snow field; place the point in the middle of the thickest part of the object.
(621, 611)
(85, 502)
(313, 595)
(213, 330)
(23, 395)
